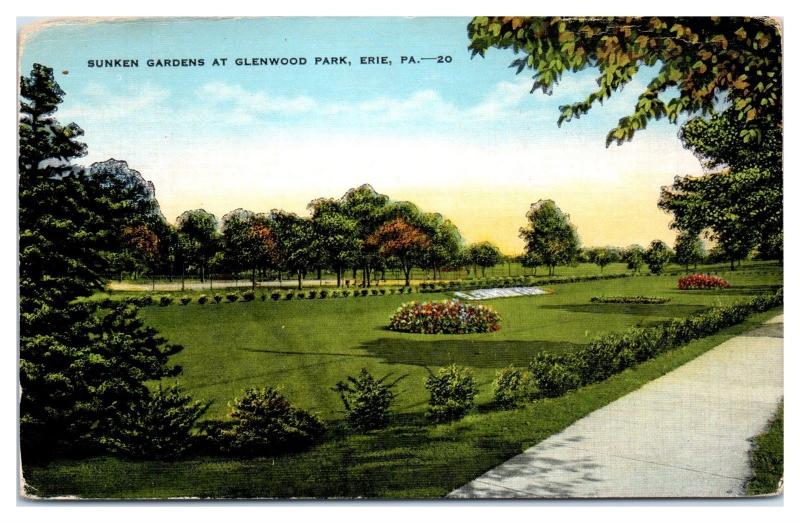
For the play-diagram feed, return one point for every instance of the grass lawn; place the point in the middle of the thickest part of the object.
(306, 346)
(767, 458)
(411, 458)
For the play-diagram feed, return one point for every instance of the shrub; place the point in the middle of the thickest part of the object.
(289, 295)
(445, 317)
(453, 391)
(275, 296)
(382, 291)
(217, 298)
(364, 292)
(366, 400)
(312, 295)
(160, 427)
(263, 297)
(248, 296)
(323, 294)
(232, 297)
(185, 300)
(554, 374)
(165, 300)
(202, 299)
(345, 293)
(264, 422)
(512, 387)
(301, 295)
(629, 299)
(336, 294)
(392, 291)
(701, 281)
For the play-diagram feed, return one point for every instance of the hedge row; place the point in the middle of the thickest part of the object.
(630, 299)
(555, 374)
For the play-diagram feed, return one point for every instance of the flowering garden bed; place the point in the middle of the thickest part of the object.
(648, 300)
(444, 317)
(701, 281)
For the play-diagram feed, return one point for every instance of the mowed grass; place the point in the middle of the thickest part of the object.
(306, 346)
(409, 459)
(767, 458)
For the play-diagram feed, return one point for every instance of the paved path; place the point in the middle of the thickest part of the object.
(685, 434)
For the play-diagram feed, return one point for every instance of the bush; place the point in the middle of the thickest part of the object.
(701, 281)
(275, 296)
(263, 297)
(202, 299)
(554, 374)
(301, 295)
(445, 317)
(264, 422)
(374, 292)
(312, 295)
(323, 294)
(165, 300)
(512, 387)
(158, 428)
(186, 300)
(453, 391)
(217, 298)
(366, 400)
(364, 292)
(232, 297)
(289, 295)
(630, 299)
(248, 296)
(382, 291)
(345, 293)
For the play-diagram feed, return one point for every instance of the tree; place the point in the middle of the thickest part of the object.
(657, 256)
(633, 256)
(734, 210)
(483, 255)
(335, 235)
(446, 243)
(600, 256)
(401, 240)
(550, 235)
(369, 209)
(531, 260)
(78, 364)
(249, 242)
(295, 243)
(199, 230)
(688, 249)
(700, 59)
(145, 246)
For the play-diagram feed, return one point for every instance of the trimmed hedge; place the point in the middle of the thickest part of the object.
(555, 374)
(654, 300)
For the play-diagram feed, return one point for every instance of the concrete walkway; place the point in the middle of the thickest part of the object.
(685, 434)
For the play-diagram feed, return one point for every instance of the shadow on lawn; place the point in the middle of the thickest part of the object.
(470, 353)
(656, 313)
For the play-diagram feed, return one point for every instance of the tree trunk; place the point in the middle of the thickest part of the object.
(254, 277)
(183, 276)
(299, 279)
(338, 277)
(733, 267)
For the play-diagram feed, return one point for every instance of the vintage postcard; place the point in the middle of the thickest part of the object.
(400, 258)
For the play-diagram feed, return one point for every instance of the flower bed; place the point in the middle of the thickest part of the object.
(701, 281)
(444, 317)
(629, 299)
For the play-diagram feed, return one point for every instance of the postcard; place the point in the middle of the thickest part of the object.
(400, 258)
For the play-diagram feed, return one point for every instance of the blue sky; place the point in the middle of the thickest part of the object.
(268, 136)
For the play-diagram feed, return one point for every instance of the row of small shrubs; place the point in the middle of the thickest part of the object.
(515, 281)
(629, 299)
(444, 317)
(555, 374)
(702, 281)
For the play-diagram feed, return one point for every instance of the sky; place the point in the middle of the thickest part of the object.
(464, 137)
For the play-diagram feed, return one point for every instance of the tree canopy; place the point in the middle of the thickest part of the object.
(702, 60)
(550, 236)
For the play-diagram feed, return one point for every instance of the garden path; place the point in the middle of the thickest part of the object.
(685, 434)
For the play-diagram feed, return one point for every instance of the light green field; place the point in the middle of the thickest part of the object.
(306, 346)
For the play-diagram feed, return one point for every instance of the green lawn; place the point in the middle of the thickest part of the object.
(410, 459)
(306, 346)
(767, 458)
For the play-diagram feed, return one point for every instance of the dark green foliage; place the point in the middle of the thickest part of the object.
(265, 423)
(629, 299)
(767, 458)
(312, 295)
(186, 300)
(202, 299)
(512, 387)
(275, 296)
(301, 295)
(657, 256)
(554, 374)
(453, 390)
(549, 236)
(289, 295)
(366, 400)
(165, 300)
(232, 297)
(688, 249)
(323, 294)
(345, 293)
(217, 298)
(157, 427)
(248, 296)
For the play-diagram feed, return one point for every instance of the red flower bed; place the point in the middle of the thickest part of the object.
(701, 281)
(444, 317)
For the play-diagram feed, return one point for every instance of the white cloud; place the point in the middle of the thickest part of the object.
(242, 102)
(99, 104)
